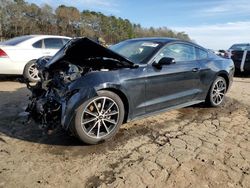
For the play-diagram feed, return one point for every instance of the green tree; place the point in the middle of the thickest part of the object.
(67, 19)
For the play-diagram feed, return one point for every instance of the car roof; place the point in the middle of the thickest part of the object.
(48, 36)
(242, 44)
(155, 39)
(164, 40)
(35, 38)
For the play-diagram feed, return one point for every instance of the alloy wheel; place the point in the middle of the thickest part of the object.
(218, 91)
(100, 117)
(33, 72)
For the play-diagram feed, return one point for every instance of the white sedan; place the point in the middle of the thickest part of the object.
(18, 55)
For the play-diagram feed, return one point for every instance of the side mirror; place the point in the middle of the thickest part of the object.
(164, 61)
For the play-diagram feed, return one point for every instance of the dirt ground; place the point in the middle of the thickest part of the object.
(190, 147)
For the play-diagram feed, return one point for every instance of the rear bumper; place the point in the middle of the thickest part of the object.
(9, 67)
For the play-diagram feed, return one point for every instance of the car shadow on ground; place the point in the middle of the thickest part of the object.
(10, 78)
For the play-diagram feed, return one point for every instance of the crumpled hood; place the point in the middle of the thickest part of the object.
(84, 48)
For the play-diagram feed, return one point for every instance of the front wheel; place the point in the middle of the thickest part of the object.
(99, 118)
(216, 94)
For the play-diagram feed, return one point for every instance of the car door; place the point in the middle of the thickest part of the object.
(134, 86)
(52, 45)
(173, 84)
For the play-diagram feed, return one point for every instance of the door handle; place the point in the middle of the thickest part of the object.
(195, 69)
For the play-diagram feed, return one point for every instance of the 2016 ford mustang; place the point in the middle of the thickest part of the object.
(92, 90)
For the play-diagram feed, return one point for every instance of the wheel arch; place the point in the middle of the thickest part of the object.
(32, 60)
(123, 98)
(225, 76)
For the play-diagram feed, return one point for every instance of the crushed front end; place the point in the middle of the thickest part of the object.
(68, 79)
(51, 93)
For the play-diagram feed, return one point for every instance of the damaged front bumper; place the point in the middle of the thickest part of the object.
(51, 109)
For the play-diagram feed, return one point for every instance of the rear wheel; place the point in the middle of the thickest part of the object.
(216, 94)
(30, 72)
(99, 118)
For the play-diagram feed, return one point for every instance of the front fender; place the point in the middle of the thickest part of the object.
(70, 106)
(86, 87)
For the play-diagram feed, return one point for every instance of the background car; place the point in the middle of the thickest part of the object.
(17, 55)
(222, 53)
(240, 54)
(92, 90)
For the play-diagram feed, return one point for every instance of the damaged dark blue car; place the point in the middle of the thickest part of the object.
(91, 90)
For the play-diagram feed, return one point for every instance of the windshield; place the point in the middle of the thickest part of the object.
(240, 47)
(135, 51)
(16, 40)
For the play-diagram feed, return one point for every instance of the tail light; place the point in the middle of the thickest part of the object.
(2, 53)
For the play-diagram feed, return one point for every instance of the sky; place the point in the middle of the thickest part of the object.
(214, 24)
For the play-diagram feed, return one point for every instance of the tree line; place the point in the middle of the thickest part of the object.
(18, 17)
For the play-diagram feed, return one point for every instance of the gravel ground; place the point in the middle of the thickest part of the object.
(190, 147)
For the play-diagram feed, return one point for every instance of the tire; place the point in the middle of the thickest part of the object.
(93, 117)
(216, 93)
(30, 72)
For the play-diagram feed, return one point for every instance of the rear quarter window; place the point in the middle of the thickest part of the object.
(201, 54)
(53, 43)
(38, 44)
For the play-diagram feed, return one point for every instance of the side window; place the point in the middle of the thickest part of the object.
(180, 52)
(53, 43)
(201, 54)
(38, 44)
